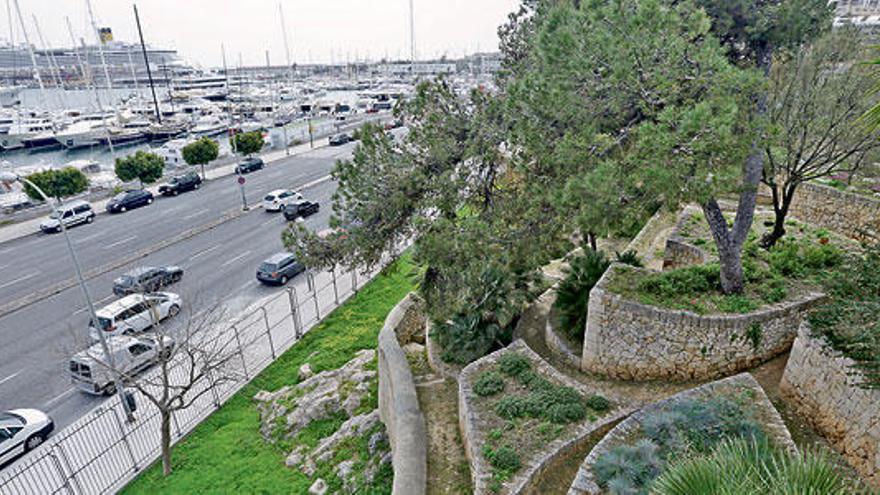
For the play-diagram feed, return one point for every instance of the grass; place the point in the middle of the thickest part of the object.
(227, 454)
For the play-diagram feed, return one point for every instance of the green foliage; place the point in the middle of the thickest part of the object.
(512, 407)
(850, 319)
(628, 469)
(201, 152)
(488, 383)
(688, 280)
(630, 258)
(227, 450)
(503, 459)
(800, 258)
(248, 143)
(573, 293)
(743, 466)
(598, 403)
(755, 334)
(57, 183)
(142, 166)
(513, 364)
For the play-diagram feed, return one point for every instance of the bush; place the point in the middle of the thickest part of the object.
(512, 407)
(628, 469)
(752, 466)
(629, 257)
(799, 258)
(504, 459)
(488, 383)
(513, 364)
(598, 403)
(568, 412)
(684, 281)
(573, 294)
(534, 381)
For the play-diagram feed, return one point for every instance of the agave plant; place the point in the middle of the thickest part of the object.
(747, 466)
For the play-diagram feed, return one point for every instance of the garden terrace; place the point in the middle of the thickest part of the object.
(517, 413)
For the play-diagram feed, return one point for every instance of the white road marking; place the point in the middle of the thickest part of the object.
(6, 250)
(86, 239)
(245, 286)
(233, 260)
(19, 279)
(58, 397)
(198, 213)
(96, 303)
(3, 266)
(170, 210)
(202, 253)
(119, 243)
(10, 377)
(267, 222)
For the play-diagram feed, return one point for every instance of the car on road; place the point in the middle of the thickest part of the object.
(73, 213)
(146, 279)
(249, 165)
(299, 209)
(279, 269)
(88, 369)
(22, 430)
(340, 139)
(135, 313)
(189, 181)
(129, 200)
(279, 198)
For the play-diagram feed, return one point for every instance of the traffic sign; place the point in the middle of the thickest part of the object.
(241, 180)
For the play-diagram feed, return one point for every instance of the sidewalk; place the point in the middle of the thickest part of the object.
(32, 226)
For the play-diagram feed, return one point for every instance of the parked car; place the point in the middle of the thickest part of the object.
(130, 356)
(279, 269)
(146, 279)
(279, 198)
(133, 314)
(340, 139)
(301, 208)
(22, 430)
(189, 181)
(249, 165)
(73, 213)
(133, 198)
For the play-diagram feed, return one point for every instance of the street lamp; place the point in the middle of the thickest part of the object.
(13, 177)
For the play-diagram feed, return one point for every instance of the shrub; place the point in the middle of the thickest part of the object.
(488, 383)
(534, 381)
(736, 303)
(512, 407)
(573, 293)
(629, 257)
(684, 281)
(751, 466)
(504, 459)
(568, 412)
(513, 364)
(628, 469)
(598, 403)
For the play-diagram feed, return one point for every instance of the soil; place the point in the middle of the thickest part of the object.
(448, 468)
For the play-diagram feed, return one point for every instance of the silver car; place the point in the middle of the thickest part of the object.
(22, 430)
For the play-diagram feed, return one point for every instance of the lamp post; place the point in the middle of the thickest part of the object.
(13, 177)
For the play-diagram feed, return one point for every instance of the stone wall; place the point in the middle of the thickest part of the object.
(558, 344)
(825, 389)
(848, 214)
(679, 253)
(585, 484)
(632, 341)
(399, 405)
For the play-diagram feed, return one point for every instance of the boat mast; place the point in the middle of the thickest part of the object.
(137, 19)
(230, 131)
(100, 43)
(30, 47)
(94, 85)
(79, 61)
(54, 69)
(412, 39)
(134, 79)
(286, 46)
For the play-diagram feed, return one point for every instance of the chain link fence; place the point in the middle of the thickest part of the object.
(101, 452)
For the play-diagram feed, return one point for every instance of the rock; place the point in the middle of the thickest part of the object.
(305, 372)
(386, 459)
(344, 469)
(414, 348)
(319, 487)
(376, 440)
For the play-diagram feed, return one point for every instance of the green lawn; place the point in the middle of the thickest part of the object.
(226, 454)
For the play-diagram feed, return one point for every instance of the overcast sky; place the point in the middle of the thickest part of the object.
(318, 30)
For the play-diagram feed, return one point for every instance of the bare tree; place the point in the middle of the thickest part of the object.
(193, 354)
(815, 99)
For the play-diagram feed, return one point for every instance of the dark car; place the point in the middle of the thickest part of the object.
(300, 209)
(182, 183)
(279, 268)
(146, 279)
(128, 200)
(340, 139)
(249, 165)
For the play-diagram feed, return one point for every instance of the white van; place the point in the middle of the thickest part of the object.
(73, 213)
(89, 369)
(132, 314)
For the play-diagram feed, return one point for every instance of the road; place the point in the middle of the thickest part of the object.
(219, 264)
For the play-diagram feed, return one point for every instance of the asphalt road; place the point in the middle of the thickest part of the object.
(219, 263)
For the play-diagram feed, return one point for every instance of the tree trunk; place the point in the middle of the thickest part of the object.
(166, 442)
(781, 206)
(729, 251)
(591, 239)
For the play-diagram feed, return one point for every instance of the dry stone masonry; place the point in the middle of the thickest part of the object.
(628, 340)
(843, 212)
(825, 390)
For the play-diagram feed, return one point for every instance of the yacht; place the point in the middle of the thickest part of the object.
(98, 177)
(209, 125)
(22, 130)
(88, 131)
(10, 96)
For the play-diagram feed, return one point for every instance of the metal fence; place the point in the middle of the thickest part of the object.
(101, 452)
